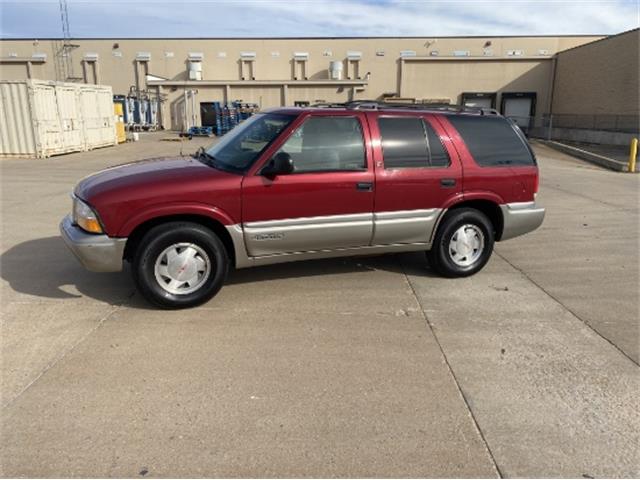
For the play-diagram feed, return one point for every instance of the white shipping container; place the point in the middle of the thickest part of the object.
(41, 118)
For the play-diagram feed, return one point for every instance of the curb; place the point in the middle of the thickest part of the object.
(590, 157)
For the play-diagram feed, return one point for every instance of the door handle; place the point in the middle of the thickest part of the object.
(364, 186)
(448, 182)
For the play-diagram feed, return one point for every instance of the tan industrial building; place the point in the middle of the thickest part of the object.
(524, 77)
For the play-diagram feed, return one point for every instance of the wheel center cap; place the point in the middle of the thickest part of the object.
(181, 270)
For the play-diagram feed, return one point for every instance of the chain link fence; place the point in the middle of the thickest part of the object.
(596, 129)
(602, 122)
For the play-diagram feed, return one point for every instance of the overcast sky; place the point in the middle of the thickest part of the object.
(312, 18)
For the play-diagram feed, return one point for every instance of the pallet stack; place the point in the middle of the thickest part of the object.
(228, 115)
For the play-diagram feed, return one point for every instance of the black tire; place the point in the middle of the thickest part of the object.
(440, 257)
(162, 237)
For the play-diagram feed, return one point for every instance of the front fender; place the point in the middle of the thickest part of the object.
(171, 209)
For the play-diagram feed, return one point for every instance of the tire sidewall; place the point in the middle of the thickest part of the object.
(156, 241)
(446, 232)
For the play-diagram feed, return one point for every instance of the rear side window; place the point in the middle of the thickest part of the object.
(492, 141)
(409, 142)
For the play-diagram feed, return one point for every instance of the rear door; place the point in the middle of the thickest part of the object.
(417, 175)
(327, 202)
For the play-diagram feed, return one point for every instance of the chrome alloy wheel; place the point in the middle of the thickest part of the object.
(466, 245)
(182, 268)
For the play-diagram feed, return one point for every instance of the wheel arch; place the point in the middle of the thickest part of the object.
(210, 223)
(489, 207)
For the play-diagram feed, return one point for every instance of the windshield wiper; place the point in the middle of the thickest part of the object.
(206, 158)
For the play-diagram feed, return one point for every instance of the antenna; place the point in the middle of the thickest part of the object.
(64, 62)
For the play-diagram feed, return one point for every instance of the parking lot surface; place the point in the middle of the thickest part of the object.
(367, 366)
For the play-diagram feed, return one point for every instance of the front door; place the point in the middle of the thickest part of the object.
(326, 203)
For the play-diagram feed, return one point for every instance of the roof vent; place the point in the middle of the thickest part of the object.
(196, 56)
(39, 56)
(301, 55)
(407, 53)
(143, 56)
(461, 53)
(515, 53)
(247, 55)
(90, 57)
(353, 55)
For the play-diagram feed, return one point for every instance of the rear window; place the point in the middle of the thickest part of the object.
(409, 142)
(493, 141)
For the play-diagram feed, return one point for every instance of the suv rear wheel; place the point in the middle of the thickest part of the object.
(180, 265)
(463, 243)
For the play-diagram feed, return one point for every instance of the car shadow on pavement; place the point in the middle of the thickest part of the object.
(413, 263)
(46, 268)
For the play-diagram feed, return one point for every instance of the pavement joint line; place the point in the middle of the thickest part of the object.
(450, 369)
(54, 362)
(574, 314)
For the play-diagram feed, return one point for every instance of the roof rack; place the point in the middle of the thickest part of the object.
(377, 105)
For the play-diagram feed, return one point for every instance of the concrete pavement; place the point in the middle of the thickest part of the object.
(347, 367)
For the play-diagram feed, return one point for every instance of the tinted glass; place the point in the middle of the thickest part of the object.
(242, 145)
(437, 154)
(410, 143)
(404, 143)
(492, 141)
(327, 144)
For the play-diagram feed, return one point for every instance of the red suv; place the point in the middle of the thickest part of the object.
(303, 183)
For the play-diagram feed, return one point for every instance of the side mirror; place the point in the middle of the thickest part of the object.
(280, 164)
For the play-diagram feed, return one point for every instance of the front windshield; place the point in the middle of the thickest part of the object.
(240, 147)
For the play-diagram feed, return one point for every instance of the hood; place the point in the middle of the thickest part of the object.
(122, 178)
(118, 191)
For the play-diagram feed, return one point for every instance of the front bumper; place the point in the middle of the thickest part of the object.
(520, 218)
(98, 253)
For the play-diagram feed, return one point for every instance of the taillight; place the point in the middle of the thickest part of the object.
(536, 182)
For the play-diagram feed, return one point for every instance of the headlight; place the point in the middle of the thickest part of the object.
(85, 217)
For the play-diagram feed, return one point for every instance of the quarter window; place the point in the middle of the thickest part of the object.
(409, 142)
(327, 144)
(492, 141)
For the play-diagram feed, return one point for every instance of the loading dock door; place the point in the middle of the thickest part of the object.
(520, 107)
(481, 100)
(478, 102)
(207, 114)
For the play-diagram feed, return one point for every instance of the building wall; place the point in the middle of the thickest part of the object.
(599, 78)
(423, 77)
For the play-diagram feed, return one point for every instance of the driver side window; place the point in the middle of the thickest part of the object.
(327, 144)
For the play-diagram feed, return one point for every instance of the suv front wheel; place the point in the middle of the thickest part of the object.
(463, 243)
(180, 265)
